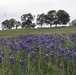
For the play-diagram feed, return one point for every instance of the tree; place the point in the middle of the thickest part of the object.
(8, 24)
(17, 24)
(40, 19)
(73, 23)
(27, 20)
(50, 17)
(12, 22)
(5, 24)
(63, 17)
(33, 25)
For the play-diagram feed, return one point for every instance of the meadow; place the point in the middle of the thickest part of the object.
(60, 30)
(46, 51)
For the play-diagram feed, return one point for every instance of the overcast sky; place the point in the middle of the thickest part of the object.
(16, 8)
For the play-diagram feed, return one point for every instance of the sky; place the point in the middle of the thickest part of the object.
(16, 8)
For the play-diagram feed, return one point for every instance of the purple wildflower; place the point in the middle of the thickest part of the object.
(46, 56)
(47, 49)
(33, 54)
(12, 59)
(0, 58)
(69, 54)
(22, 61)
(75, 55)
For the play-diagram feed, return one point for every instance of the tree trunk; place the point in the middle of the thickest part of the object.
(50, 25)
(41, 26)
(55, 25)
(16, 27)
(9, 28)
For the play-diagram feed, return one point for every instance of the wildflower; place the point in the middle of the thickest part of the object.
(69, 54)
(12, 59)
(22, 61)
(46, 56)
(60, 49)
(75, 55)
(0, 60)
(47, 49)
(2, 53)
(10, 52)
(52, 54)
(37, 48)
(33, 54)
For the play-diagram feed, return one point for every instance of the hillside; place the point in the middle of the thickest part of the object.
(60, 30)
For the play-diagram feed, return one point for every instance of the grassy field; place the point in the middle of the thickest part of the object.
(38, 54)
(60, 30)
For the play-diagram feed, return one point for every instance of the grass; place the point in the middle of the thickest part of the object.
(39, 53)
(15, 32)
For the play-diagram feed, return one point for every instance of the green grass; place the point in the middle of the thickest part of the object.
(15, 32)
(38, 65)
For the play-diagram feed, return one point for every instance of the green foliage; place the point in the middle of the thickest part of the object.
(63, 17)
(51, 17)
(27, 20)
(17, 23)
(9, 24)
(40, 19)
(73, 23)
(33, 25)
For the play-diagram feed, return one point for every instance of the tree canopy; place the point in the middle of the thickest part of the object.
(26, 20)
(8, 24)
(73, 23)
(52, 17)
(63, 17)
(40, 19)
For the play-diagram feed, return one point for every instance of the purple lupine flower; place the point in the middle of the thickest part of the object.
(33, 54)
(11, 46)
(69, 54)
(52, 46)
(17, 47)
(29, 40)
(2, 41)
(10, 52)
(64, 34)
(75, 55)
(53, 40)
(73, 37)
(0, 58)
(60, 49)
(46, 56)
(37, 48)
(47, 49)
(35, 40)
(74, 47)
(2, 53)
(58, 55)
(52, 54)
(22, 61)
(24, 46)
(62, 40)
(12, 59)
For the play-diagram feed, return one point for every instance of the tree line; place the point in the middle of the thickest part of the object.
(51, 18)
